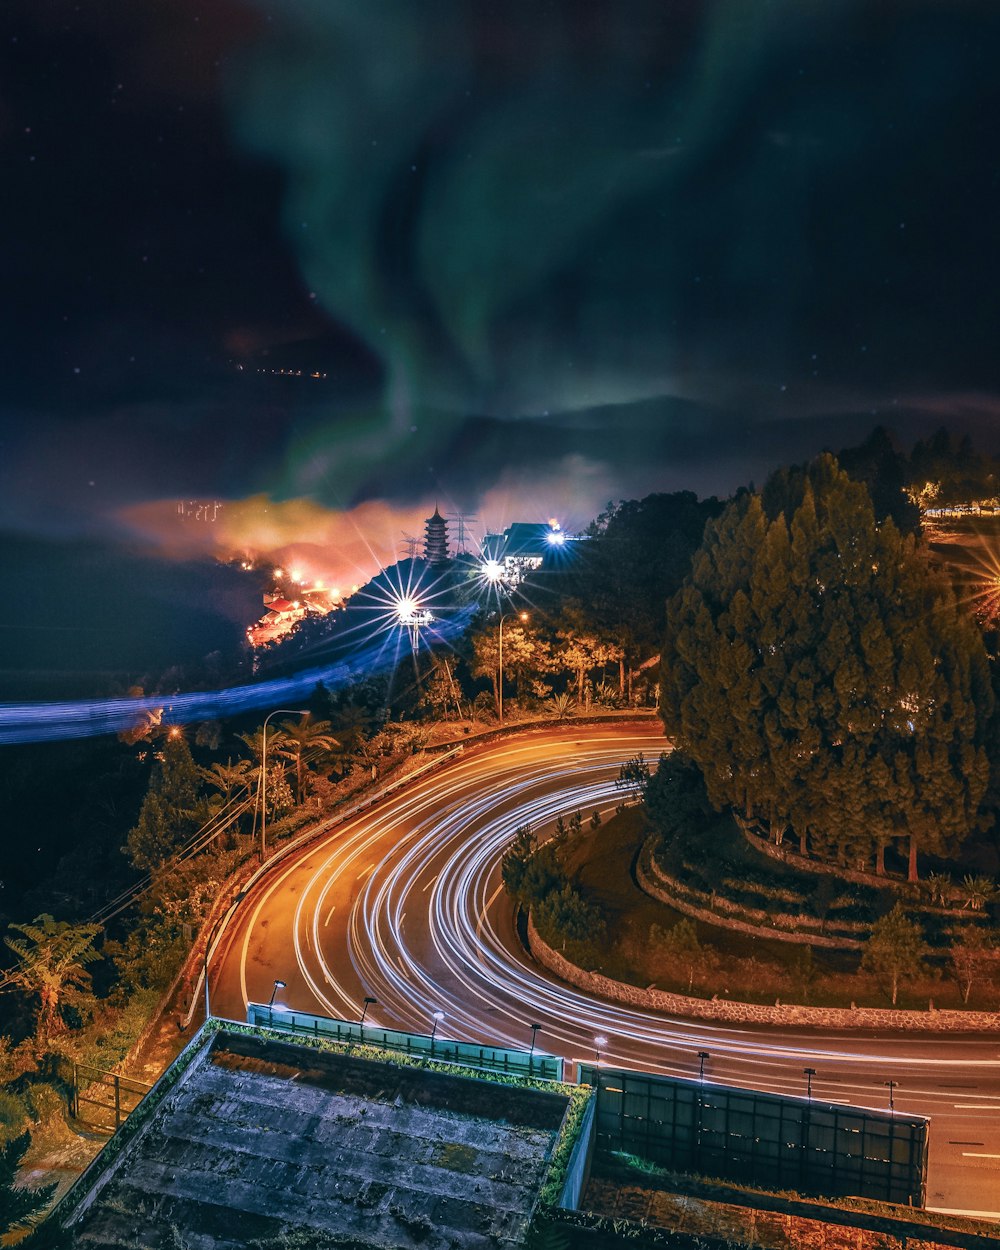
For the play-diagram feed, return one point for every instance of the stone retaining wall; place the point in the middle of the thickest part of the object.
(652, 881)
(724, 1011)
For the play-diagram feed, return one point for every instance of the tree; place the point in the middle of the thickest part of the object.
(439, 692)
(973, 956)
(20, 1207)
(564, 914)
(171, 811)
(633, 778)
(821, 675)
(675, 799)
(514, 864)
(229, 779)
(895, 950)
(976, 890)
(524, 652)
(885, 472)
(680, 946)
(53, 955)
(303, 742)
(638, 555)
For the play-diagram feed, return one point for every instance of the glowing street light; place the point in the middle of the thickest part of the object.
(600, 1041)
(412, 614)
(492, 570)
(262, 783)
(521, 616)
(278, 985)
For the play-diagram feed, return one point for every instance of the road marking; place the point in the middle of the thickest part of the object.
(329, 914)
(976, 1154)
(966, 1143)
(363, 871)
(429, 884)
(975, 1106)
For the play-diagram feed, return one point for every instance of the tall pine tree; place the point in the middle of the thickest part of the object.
(823, 678)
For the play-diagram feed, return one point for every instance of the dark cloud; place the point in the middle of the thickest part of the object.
(631, 241)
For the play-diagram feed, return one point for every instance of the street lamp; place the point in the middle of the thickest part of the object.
(891, 1086)
(437, 1018)
(369, 1002)
(702, 1056)
(809, 1073)
(521, 616)
(600, 1041)
(278, 985)
(262, 784)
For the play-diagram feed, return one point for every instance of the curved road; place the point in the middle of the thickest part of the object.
(404, 904)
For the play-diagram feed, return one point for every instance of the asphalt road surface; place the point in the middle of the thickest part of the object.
(404, 904)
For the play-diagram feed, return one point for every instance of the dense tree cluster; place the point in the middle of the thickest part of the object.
(822, 677)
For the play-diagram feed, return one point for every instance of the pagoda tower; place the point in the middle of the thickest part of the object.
(436, 540)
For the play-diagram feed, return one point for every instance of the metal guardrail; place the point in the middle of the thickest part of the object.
(115, 1094)
(492, 1058)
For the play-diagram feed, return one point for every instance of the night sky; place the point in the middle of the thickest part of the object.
(541, 254)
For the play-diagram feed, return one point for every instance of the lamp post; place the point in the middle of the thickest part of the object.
(891, 1085)
(809, 1073)
(369, 1002)
(437, 1018)
(278, 985)
(521, 616)
(600, 1041)
(702, 1056)
(262, 784)
(531, 1053)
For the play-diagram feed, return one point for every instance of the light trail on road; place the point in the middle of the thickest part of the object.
(404, 904)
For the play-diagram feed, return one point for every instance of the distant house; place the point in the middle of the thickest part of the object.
(523, 547)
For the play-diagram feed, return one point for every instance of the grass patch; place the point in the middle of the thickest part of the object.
(736, 965)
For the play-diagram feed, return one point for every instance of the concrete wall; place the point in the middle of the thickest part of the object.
(724, 1011)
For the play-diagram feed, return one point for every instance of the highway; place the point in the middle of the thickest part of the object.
(403, 903)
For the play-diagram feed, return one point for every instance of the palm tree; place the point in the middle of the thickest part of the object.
(255, 741)
(228, 778)
(977, 891)
(303, 742)
(53, 957)
(939, 887)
